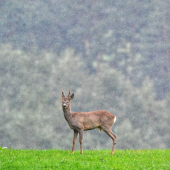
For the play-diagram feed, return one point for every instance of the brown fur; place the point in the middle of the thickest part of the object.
(82, 121)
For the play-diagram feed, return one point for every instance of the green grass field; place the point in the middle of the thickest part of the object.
(98, 159)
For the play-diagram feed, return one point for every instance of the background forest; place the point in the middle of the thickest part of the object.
(115, 55)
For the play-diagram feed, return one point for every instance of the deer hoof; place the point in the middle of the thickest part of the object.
(112, 153)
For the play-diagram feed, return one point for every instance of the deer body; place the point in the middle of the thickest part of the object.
(89, 120)
(82, 121)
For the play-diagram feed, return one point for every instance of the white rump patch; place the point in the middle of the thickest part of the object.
(115, 119)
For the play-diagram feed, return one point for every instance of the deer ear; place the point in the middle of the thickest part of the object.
(71, 97)
(63, 95)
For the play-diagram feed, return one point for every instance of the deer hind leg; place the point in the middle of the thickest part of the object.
(81, 140)
(74, 140)
(114, 138)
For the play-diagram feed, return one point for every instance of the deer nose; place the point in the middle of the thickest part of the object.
(64, 105)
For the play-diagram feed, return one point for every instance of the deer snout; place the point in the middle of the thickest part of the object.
(64, 105)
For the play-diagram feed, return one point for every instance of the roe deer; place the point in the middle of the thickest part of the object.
(82, 121)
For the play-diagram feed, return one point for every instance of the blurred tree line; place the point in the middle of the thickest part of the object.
(114, 54)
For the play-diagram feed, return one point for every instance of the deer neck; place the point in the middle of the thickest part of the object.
(67, 113)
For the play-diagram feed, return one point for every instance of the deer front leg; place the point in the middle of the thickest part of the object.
(81, 140)
(74, 140)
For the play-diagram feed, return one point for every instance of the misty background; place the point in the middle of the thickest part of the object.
(115, 55)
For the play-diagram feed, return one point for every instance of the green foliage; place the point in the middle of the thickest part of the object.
(100, 159)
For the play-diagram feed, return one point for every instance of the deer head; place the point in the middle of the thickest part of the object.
(66, 100)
